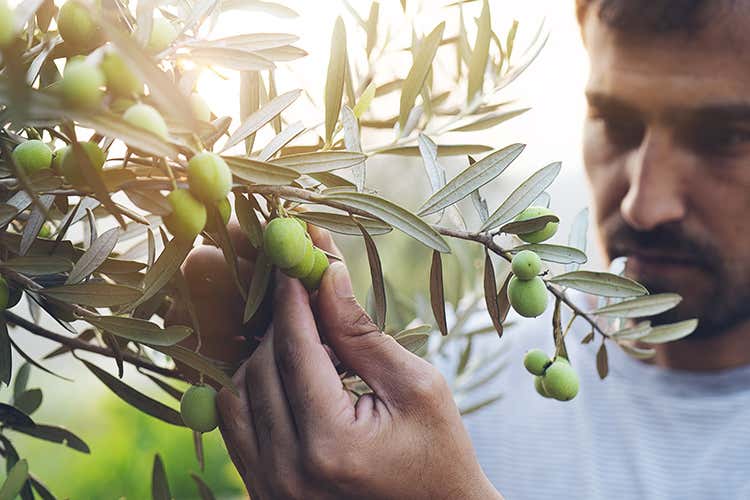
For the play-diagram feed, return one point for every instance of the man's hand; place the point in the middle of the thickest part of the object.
(295, 432)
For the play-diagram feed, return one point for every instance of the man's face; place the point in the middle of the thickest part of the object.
(667, 152)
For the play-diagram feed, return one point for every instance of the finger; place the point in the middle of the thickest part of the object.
(376, 357)
(272, 418)
(323, 240)
(312, 386)
(236, 423)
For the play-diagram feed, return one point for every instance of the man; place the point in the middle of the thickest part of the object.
(667, 152)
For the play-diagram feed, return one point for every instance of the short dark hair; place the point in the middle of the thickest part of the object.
(647, 16)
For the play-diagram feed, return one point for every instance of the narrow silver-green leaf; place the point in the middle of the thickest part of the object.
(140, 330)
(199, 363)
(6, 357)
(335, 79)
(600, 283)
(114, 126)
(93, 294)
(166, 265)
(471, 179)
(159, 483)
(282, 139)
(38, 265)
(415, 80)
(230, 58)
(398, 217)
(413, 342)
(437, 293)
(578, 234)
(258, 286)
(94, 256)
(480, 53)
(554, 253)
(55, 434)
(134, 398)
(376, 276)
(671, 332)
(528, 226)
(488, 121)
(632, 333)
(641, 306)
(637, 352)
(248, 220)
(320, 161)
(443, 150)
(15, 480)
(343, 224)
(260, 172)
(522, 197)
(257, 120)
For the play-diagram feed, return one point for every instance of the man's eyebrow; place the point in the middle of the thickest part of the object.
(608, 102)
(726, 112)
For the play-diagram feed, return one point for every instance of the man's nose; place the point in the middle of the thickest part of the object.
(656, 174)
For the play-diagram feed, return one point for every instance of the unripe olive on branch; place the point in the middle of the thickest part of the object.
(560, 381)
(526, 265)
(528, 297)
(284, 242)
(188, 217)
(312, 280)
(32, 156)
(147, 118)
(163, 34)
(76, 26)
(45, 231)
(209, 177)
(536, 361)
(304, 267)
(201, 111)
(543, 234)
(121, 81)
(71, 163)
(81, 85)
(198, 408)
(7, 28)
(225, 211)
(539, 386)
(57, 158)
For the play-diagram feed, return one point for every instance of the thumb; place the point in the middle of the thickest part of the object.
(382, 363)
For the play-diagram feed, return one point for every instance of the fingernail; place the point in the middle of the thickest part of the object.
(341, 282)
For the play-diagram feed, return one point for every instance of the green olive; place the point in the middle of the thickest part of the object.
(540, 235)
(284, 242)
(76, 26)
(71, 163)
(81, 85)
(188, 217)
(7, 27)
(198, 408)
(147, 118)
(57, 158)
(526, 265)
(536, 361)
(529, 297)
(539, 386)
(45, 231)
(32, 156)
(312, 280)
(163, 34)
(209, 177)
(201, 111)
(121, 81)
(304, 266)
(560, 381)
(225, 211)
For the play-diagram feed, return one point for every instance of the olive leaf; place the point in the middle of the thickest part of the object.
(140, 330)
(398, 217)
(528, 225)
(421, 66)
(15, 480)
(649, 305)
(670, 333)
(490, 294)
(54, 434)
(6, 356)
(280, 140)
(600, 283)
(93, 294)
(114, 126)
(471, 179)
(602, 361)
(248, 220)
(159, 484)
(443, 150)
(344, 224)
(166, 265)
(322, 161)
(489, 120)
(578, 235)
(35, 222)
(203, 489)
(480, 54)
(199, 363)
(94, 256)
(11, 416)
(258, 286)
(413, 342)
(553, 253)
(260, 172)
(632, 333)
(28, 401)
(335, 79)
(522, 197)
(230, 58)
(637, 352)
(38, 265)
(257, 120)
(437, 293)
(134, 398)
(376, 275)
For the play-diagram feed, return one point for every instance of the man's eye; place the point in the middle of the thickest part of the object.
(622, 133)
(721, 140)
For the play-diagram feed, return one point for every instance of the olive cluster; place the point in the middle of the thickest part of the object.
(554, 379)
(290, 248)
(526, 291)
